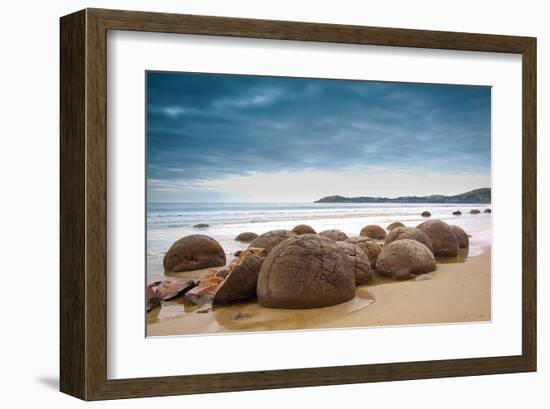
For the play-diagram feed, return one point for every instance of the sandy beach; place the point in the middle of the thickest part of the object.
(456, 292)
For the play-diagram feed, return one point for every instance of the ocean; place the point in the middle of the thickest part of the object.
(168, 222)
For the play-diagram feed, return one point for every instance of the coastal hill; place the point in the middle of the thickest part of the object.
(482, 195)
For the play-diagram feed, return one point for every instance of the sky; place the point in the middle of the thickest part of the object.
(230, 138)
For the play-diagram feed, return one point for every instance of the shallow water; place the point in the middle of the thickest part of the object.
(252, 317)
(167, 223)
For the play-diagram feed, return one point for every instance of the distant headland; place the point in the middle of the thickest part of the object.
(482, 195)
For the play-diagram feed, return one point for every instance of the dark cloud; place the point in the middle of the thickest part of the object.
(201, 126)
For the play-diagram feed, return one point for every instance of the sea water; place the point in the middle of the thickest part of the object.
(168, 222)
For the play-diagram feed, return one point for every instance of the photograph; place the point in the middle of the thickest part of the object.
(280, 203)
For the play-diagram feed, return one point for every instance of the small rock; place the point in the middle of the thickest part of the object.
(487, 211)
(457, 213)
(222, 273)
(474, 211)
(153, 299)
(425, 213)
(201, 226)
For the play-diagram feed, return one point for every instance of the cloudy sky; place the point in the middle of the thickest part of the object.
(271, 139)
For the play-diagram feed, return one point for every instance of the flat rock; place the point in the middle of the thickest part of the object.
(174, 287)
(204, 292)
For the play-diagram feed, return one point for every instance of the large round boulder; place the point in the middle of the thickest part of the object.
(462, 236)
(241, 280)
(394, 225)
(373, 231)
(361, 262)
(444, 241)
(270, 239)
(307, 271)
(193, 252)
(246, 237)
(334, 234)
(409, 233)
(304, 229)
(368, 245)
(403, 259)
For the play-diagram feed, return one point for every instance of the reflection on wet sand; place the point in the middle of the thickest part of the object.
(438, 298)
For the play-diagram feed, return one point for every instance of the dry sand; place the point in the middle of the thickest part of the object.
(457, 292)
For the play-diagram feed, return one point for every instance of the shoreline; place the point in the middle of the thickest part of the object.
(457, 292)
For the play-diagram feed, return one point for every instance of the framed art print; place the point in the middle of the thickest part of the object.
(306, 204)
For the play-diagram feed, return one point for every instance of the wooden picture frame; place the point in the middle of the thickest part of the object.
(83, 209)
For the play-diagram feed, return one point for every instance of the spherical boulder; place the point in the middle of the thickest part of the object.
(462, 236)
(270, 239)
(246, 237)
(306, 271)
(409, 233)
(487, 210)
(394, 225)
(334, 234)
(361, 262)
(475, 211)
(241, 280)
(193, 252)
(457, 213)
(304, 229)
(368, 245)
(403, 259)
(444, 241)
(373, 231)
(425, 213)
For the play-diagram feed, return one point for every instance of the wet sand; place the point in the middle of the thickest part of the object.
(457, 292)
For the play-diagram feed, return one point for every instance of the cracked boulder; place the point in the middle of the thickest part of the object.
(404, 259)
(270, 239)
(194, 252)
(442, 236)
(373, 231)
(361, 262)
(307, 271)
(241, 280)
(334, 234)
(412, 233)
